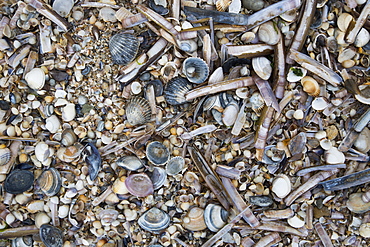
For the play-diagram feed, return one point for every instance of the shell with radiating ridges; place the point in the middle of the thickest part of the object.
(130, 162)
(157, 153)
(176, 89)
(154, 220)
(196, 70)
(310, 86)
(222, 5)
(123, 48)
(138, 111)
(194, 219)
(268, 33)
(50, 181)
(215, 217)
(5, 155)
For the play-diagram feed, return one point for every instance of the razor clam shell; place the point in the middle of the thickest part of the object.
(348, 181)
(154, 220)
(176, 89)
(123, 48)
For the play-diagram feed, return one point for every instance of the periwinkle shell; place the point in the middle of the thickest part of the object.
(176, 89)
(18, 181)
(123, 48)
(154, 220)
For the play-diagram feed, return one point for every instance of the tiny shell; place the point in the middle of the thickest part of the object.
(281, 186)
(138, 111)
(157, 153)
(215, 217)
(195, 69)
(139, 185)
(131, 163)
(123, 48)
(176, 89)
(195, 219)
(175, 165)
(5, 155)
(310, 86)
(154, 220)
(262, 67)
(35, 78)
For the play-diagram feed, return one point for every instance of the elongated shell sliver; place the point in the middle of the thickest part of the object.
(348, 181)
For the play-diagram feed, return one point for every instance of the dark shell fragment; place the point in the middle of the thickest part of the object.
(261, 201)
(93, 159)
(18, 181)
(51, 236)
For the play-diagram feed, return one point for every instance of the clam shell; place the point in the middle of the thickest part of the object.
(123, 48)
(175, 165)
(139, 185)
(5, 155)
(195, 69)
(268, 33)
(295, 74)
(230, 114)
(35, 78)
(262, 67)
(281, 186)
(52, 124)
(93, 160)
(222, 5)
(157, 153)
(334, 156)
(344, 21)
(18, 181)
(42, 151)
(50, 181)
(188, 45)
(68, 137)
(154, 220)
(194, 219)
(215, 217)
(158, 177)
(176, 89)
(138, 111)
(51, 236)
(63, 7)
(130, 162)
(119, 186)
(362, 38)
(310, 86)
(257, 102)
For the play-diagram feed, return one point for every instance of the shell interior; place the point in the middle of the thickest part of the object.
(50, 181)
(196, 70)
(138, 111)
(154, 220)
(215, 217)
(131, 163)
(158, 177)
(139, 185)
(175, 165)
(123, 48)
(157, 153)
(176, 89)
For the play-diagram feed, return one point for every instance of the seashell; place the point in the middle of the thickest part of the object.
(158, 177)
(295, 74)
(257, 102)
(158, 87)
(362, 142)
(25, 241)
(195, 69)
(42, 151)
(261, 201)
(157, 153)
(230, 113)
(235, 6)
(362, 38)
(296, 221)
(52, 124)
(281, 186)
(69, 112)
(175, 165)
(262, 67)
(222, 5)
(68, 137)
(5, 155)
(346, 54)
(356, 204)
(51, 236)
(289, 16)
(35, 78)
(138, 111)
(188, 45)
(216, 76)
(119, 186)
(63, 7)
(215, 217)
(344, 21)
(176, 89)
(108, 14)
(268, 33)
(107, 216)
(334, 156)
(93, 160)
(18, 181)
(253, 5)
(242, 93)
(310, 86)
(131, 163)
(139, 185)
(211, 102)
(123, 48)
(320, 103)
(154, 220)
(194, 219)
(50, 181)
(70, 153)
(41, 218)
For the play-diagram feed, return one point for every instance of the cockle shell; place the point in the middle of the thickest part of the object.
(215, 217)
(154, 220)
(310, 86)
(176, 89)
(268, 33)
(138, 111)
(50, 181)
(195, 69)
(5, 155)
(222, 5)
(35, 79)
(175, 165)
(281, 186)
(157, 153)
(52, 124)
(123, 48)
(194, 219)
(262, 67)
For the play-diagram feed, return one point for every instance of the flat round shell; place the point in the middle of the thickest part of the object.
(18, 181)
(51, 236)
(123, 48)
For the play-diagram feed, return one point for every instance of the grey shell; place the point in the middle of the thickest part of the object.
(215, 217)
(123, 48)
(138, 111)
(130, 162)
(157, 153)
(154, 220)
(196, 70)
(50, 181)
(176, 89)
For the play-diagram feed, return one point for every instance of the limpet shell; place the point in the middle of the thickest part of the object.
(50, 181)
(123, 48)
(5, 155)
(176, 89)
(138, 111)
(215, 217)
(157, 153)
(18, 181)
(195, 69)
(154, 220)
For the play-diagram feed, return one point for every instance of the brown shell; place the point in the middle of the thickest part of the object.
(310, 86)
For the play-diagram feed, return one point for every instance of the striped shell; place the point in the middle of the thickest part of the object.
(138, 111)
(5, 155)
(196, 70)
(176, 89)
(123, 48)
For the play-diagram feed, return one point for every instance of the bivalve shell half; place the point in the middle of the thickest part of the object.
(295, 74)
(63, 7)
(344, 20)
(334, 156)
(130, 162)
(230, 113)
(51, 236)
(175, 165)
(215, 217)
(5, 155)
(123, 48)
(310, 86)
(362, 38)
(262, 67)
(35, 78)
(222, 5)
(50, 181)
(68, 137)
(268, 33)
(42, 151)
(154, 220)
(176, 89)
(119, 186)
(194, 219)
(195, 69)
(52, 124)
(138, 111)
(139, 185)
(281, 186)
(157, 153)
(18, 181)
(158, 177)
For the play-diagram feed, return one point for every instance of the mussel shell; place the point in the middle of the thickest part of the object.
(123, 48)
(130, 162)
(139, 185)
(138, 111)
(93, 159)
(176, 89)
(154, 220)
(175, 165)
(195, 69)
(5, 155)
(215, 217)
(157, 153)
(158, 177)
(50, 181)
(51, 236)
(18, 181)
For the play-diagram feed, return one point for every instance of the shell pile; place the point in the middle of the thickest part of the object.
(184, 123)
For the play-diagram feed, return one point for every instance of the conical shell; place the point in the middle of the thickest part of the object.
(123, 48)
(176, 89)
(310, 86)
(268, 33)
(196, 70)
(50, 181)
(138, 111)
(154, 220)
(215, 217)
(5, 155)
(262, 67)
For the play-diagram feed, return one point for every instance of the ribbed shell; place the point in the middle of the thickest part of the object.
(50, 181)
(154, 220)
(138, 111)
(176, 89)
(5, 156)
(123, 48)
(196, 70)
(175, 165)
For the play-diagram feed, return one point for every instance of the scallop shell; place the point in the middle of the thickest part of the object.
(262, 67)
(176, 89)
(139, 185)
(50, 181)
(5, 155)
(123, 48)
(130, 162)
(138, 111)
(154, 220)
(196, 70)
(215, 217)
(268, 33)
(281, 186)
(35, 78)
(222, 5)
(310, 86)
(157, 153)
(18, 181)
(175, 165)
(194, 219)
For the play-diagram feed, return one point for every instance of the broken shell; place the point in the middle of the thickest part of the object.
(5, 155)
(257, 102)
(63, 7)
(281, 186)
(35, 78)
(362, 38)
(230, 114)
(139, 185)
(344, 21)
(157, 153)
(119, 186)
(222, 5)
(41, 218)
(356, 204)
(310, 86)
(158, 177)
(70, 153)
(25, 241)
(188, 45)
(176, 89)
(154, 220)
(194, 219)
(68, 137)
(123, 48)
(262, 67)
(69, 112)
(175, 165)
(131, 163)
(42, 151)
(195, 69)
(50, 181)
(18, 181)
(295, 74)
(268, 33)
(296, 222)
(215, 217)
(138, 111)
(334, 156)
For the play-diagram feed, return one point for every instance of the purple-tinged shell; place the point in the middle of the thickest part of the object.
(139, 185)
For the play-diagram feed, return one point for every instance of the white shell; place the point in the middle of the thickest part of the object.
(119, 186)
(268, 33)
(52, 124)
(188, 45)
(296, 222)
(319, 103)
(63, 7)
(363, 37)
(346, 54)
(230, 114)
(281, 186)
(42, 151)
(216, 76)
(41, 218)
(343, 21)
(334, 156)
(363, 143)
(69, 112)
(262, 67)
(108, 14)
(295, 74)
(35, 78)
(235, 6)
